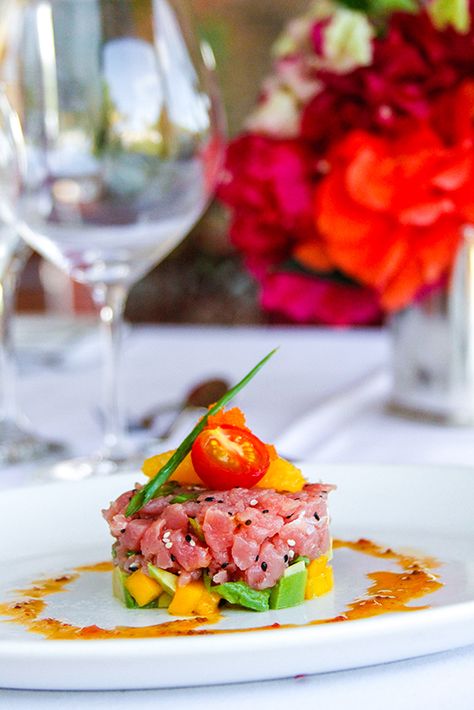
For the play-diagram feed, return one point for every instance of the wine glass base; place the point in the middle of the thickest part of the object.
(18, 445)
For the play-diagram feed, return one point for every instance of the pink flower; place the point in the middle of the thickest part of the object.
(306, 299)
(268, 186)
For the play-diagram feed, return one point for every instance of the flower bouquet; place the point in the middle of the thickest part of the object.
(355, 173)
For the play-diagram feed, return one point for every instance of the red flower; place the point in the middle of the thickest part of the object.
(412, 65)
(306, 299)
(390, 211)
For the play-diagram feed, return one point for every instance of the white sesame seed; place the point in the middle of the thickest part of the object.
(168, 545)
(192, 543)
(291, 554)
(167, 534)
(291, 543)
(254, 501)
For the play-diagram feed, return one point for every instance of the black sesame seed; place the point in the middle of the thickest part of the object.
(285, 558)
(220, 501)
(264, 566)
(229, 512)
(188, 538)
(248, 522)
(287, 517)
(209, 499)
(256, 559)
(123, 530)
(224, 565)
(265, 511)
(173, 558)
(317, 516)
(134, 567)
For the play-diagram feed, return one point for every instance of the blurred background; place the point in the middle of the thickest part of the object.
(202, 281)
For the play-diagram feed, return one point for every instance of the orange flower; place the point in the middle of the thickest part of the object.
(310, 253)
(389, 212)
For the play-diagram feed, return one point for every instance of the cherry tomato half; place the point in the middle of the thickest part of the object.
(227, 457)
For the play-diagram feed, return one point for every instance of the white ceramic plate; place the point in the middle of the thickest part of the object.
(46, 530)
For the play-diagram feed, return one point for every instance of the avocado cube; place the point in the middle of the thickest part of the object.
(289, 590)
(164, 600)
(167, 580)
(119, 589)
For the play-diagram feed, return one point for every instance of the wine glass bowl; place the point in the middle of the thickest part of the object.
(122, 134)
(123, 141)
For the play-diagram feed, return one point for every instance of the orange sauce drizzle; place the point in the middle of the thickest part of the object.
(389, 592)
(97, 567)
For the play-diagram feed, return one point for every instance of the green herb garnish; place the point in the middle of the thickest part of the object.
(197, 529)
(151, 489)
(183, 497)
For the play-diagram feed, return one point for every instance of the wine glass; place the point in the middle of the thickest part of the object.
(123, 138)
(17, 443)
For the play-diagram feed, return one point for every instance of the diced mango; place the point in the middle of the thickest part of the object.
(186, 599)
(184, 473)
(318, 565)
(143, 589)
(208, 604)
(193, 599)
(320, 578)
(282, 476)
(322, 584)
(272, 452)
(154, 463)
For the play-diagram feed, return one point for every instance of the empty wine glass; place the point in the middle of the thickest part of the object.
(123, 140)
(17, 442)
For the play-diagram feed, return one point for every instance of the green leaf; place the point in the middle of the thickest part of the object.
(388, 6)
(382, 7)
(450, 12)
(240, 593)
(361, 5)
(151, 489)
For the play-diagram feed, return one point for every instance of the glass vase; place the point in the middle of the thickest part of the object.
(433, 348)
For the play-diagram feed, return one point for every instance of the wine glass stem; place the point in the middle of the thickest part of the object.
(8, 401)
(110, 300)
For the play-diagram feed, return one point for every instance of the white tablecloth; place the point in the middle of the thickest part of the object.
(312, 364)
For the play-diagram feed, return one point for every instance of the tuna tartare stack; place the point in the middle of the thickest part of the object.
(231, 522)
